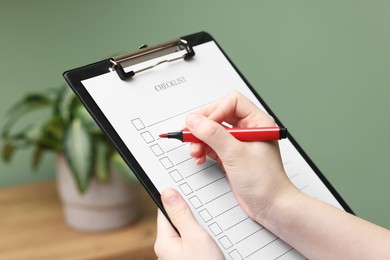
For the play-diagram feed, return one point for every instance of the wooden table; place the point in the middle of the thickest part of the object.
(32, 227)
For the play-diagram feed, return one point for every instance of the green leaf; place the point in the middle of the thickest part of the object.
(54, 127)
(21, 139)
(41, 135)
(8, 151)
(52, 133)
(28, 104)
(78, 150)
(11, 143)
(87, 120)
(31, 133)
(102, 166)
(66, 99)
(37, 157)
(121, 166)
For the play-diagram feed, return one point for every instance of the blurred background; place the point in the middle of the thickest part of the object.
(322, 66)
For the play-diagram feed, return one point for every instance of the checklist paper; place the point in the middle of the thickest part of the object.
(157, 101)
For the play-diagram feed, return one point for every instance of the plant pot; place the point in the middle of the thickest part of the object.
(104, 206)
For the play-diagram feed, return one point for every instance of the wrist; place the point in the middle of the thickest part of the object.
(282, 202)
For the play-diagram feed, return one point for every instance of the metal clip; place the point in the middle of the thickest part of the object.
(144, 54)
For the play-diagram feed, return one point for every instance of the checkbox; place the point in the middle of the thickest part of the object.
(166, 162)
(215, 229)
(147, 137)
(137, 123)
(176, 176)
(225, 242)
(186, 189)
(235, 255)
(205, 215)
(157, 150)
(195, 202)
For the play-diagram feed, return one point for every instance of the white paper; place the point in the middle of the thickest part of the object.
(157, 101)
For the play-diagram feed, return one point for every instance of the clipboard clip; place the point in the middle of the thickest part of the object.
(147, 53)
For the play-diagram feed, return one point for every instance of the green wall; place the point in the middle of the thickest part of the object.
(323, 66)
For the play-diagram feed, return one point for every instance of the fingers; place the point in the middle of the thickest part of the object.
(164, 228)
(168, 240)
(234, 109)
(212, 133)
(237, 110)
(193, 243)
(179, 213)
(199, 151)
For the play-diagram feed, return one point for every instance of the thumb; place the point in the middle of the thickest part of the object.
(212, 133)
(179, 212)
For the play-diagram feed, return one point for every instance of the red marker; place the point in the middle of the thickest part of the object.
(242, 134)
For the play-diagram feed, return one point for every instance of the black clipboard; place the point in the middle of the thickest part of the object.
(187, 43)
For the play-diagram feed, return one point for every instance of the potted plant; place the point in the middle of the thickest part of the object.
(96, 187)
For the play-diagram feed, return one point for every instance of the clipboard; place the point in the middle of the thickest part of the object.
(93, 85)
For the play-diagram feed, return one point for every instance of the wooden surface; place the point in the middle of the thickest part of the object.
(32, 227)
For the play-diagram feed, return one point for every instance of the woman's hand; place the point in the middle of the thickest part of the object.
(253, 169)
(192, 243)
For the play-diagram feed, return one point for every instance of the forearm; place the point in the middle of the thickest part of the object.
(321, 231)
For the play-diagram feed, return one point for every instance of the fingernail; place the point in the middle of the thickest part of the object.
(170, 196)
(197, 161)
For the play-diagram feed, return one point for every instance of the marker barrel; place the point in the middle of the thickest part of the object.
(245, 134)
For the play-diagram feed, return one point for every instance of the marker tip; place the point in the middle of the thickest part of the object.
(163, 135)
